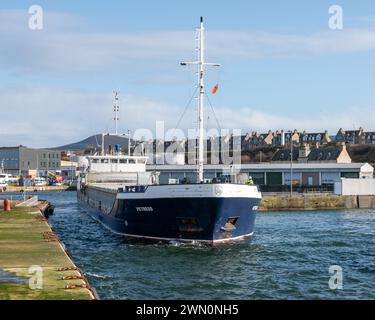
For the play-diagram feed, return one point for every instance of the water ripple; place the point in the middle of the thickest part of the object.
(288, 259)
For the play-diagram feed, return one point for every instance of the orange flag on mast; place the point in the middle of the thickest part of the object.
(215, 89)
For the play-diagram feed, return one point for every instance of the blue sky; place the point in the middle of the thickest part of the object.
(283, 68)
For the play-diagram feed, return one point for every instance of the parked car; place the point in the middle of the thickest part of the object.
(3, 181)
(13, 180)
(39, 182)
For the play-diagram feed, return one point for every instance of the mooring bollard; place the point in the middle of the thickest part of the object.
(7, 205)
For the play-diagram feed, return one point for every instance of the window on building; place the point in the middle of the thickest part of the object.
(258, 177)
(274, 178)
(350, 175)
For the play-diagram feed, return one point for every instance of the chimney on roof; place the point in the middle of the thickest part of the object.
(282, 138)
(304, 152)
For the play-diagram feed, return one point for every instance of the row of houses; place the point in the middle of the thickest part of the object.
(276, 139)
(306, 154)
(281, 138)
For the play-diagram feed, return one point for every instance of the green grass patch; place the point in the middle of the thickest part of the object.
(22, 245)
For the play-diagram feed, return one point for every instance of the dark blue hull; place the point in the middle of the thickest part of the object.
(211, 220)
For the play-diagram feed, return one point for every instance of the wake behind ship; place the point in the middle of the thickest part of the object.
(118, 191)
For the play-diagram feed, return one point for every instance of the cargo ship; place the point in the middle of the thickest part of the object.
(118, 191)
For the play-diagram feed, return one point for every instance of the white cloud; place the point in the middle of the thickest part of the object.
(48, 117)
(60, 48)
(249, 119)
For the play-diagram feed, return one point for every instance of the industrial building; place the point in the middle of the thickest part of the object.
(274, 174)
(23, 161)
(69, 170)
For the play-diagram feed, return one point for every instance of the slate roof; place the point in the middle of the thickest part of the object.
(284, 155)
(312, 137)
(319, 154)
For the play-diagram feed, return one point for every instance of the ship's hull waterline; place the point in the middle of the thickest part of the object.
(189, 218)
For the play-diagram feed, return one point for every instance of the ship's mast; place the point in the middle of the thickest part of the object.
(201, 105)
(116, 109)
(201, 85)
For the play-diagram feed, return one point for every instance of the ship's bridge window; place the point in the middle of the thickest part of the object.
(123, 161)
(132, 161)
(95, 160)
(114, 161)
(104, 161)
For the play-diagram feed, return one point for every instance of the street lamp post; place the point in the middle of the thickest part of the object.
(291, 166)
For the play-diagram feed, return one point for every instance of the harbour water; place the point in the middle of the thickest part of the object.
(289, 258)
